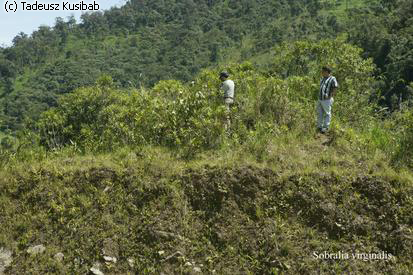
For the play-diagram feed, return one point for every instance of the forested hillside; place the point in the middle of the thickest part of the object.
(145, 41)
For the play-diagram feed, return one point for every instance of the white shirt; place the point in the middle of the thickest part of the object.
(229, 87)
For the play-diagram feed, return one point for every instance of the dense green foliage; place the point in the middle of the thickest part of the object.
(146, 41)
(385, 32)
(137, 44)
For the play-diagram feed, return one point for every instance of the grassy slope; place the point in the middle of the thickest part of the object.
(224, 212)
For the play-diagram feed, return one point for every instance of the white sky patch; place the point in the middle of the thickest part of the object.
(12, 23)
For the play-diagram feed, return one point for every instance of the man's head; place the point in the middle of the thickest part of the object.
(325, 71)
(223, 75)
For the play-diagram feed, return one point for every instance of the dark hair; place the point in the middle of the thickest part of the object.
(224, 74)
(326, 69)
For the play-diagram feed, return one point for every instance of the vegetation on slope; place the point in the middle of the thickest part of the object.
(227, 217)
(150, 177)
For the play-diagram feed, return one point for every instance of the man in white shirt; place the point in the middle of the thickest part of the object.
(228, 86)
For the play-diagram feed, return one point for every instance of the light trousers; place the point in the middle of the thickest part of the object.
(228, 103)
(324, 113)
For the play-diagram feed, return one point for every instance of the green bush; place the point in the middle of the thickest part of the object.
(102, 118)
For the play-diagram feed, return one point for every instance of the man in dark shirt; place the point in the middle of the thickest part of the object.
(328, 88)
